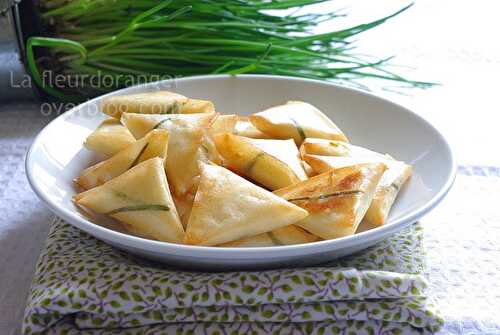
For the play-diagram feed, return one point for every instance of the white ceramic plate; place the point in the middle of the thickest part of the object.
(57, 157)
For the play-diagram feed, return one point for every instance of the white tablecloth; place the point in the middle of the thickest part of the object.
(448, 41)
(461, 237)
(23, 218)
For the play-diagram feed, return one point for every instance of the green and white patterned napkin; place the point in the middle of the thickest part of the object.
(84, 284)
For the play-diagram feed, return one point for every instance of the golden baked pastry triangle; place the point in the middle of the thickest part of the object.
(336, 200)
(388, 188)
(228, 208)
(109, 138)
(387, 191)
(152, 145)
(159, 102)
(186, 134)
(297, 120)
(140, 199)
(272, 163)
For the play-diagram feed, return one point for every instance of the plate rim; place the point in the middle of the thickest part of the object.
(206, 252)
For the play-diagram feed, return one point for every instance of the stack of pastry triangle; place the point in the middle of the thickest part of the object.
(186, 132)
(336, 200)
(272, 163)
(152, 145)
(161, 141)
(228, 208)
(140, 198)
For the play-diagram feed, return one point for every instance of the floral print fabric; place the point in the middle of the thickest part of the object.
(84, 284)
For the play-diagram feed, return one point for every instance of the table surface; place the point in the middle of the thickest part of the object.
(445, 41)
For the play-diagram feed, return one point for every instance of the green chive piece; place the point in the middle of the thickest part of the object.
(135, 208)
(204, 148)
(159, 124)
(173, 108)
(395, 186)
(121, 195)
(134, 42)
(252, 163)
(136, 160)
(328, 195)
(300, 130)
(273, 238)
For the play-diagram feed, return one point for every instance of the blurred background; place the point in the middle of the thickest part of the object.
(452, 43)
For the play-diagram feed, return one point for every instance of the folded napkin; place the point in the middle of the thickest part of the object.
(84, 284)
